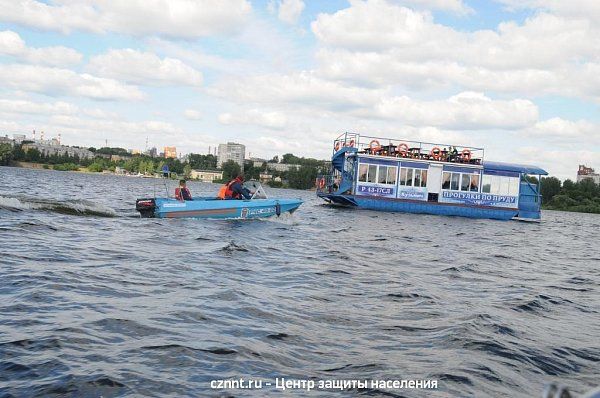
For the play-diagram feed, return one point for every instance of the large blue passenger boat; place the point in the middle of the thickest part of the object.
(419, 177)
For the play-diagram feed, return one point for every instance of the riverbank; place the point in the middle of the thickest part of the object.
(71, 167)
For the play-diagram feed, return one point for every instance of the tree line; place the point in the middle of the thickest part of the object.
(302, 177)
(582, 196)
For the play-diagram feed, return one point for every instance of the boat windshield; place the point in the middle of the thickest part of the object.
(256, 187)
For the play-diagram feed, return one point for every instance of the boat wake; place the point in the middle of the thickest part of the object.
(77, 207)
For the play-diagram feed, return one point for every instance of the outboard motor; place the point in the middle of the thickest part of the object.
(146, 207)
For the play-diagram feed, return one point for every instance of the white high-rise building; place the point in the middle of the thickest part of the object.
(231, 151)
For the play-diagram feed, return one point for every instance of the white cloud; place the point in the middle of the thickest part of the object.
(143, 68)
(376, 42)
(289, 10)
(13, 45)
(379, 26)
(561, 163)
(566, 131)
(589, 9)
(255, 117)
(93, 131)
(198, 58)
(36, 108)
(455, 6)
(56, 81)
(170, 18)
(467, 110)
(192, 114)
(14, 107)
(302, 88)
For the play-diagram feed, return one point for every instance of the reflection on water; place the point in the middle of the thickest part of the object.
(95, 301)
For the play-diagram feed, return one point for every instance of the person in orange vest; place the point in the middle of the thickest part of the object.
(182, 192)
(235, 189)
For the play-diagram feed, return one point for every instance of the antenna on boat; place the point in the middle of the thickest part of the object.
(165, 174)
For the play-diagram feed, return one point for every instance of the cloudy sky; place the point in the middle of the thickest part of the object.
(518, 77)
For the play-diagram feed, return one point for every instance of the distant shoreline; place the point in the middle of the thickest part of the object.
(83, 170)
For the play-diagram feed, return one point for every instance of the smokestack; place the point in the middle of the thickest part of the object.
(209, 149)
(58, 138)
(34, 135)
(42, 136)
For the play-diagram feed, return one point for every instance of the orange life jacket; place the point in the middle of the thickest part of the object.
(225, 192)
(222, 191)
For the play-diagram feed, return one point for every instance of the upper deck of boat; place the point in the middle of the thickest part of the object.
(417, 150)
(430, 152)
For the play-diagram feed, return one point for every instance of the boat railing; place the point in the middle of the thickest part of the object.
(328, 183)
(409, 149)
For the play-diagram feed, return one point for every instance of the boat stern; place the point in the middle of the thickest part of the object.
(146, 207)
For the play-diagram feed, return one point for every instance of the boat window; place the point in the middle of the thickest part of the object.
(391, 174)
(420, 178)
(455, 181)
(372, 174)
(465, 182)
(362, 172)
(500, 185)
(423, 178)
(513, 189)
(387, 175)
(417, 178)
(446, 180)
(486, 184)
(474, 186)
(382, 175)
(406, 177)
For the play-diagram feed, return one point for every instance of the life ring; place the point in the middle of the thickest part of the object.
(466, 155)
(435, 153)
(337, 146)
(351, 144)
(321, 183)
(374, 146)
(402, 149)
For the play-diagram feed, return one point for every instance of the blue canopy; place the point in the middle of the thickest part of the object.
(519, 168)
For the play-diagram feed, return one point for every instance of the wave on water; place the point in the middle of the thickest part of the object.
(77, 207)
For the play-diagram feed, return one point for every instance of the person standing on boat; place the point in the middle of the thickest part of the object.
(182, 192)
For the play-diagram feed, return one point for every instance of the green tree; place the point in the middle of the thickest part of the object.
(550, 188)
(33, 155)
(568, 185)
(66, 167)
(187, 171)
(96, 167)
(202, 162)
(6, 153)
(290, 159)
(230, 170)
(302, 178)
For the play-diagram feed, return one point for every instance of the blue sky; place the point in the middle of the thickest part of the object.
(519, 78)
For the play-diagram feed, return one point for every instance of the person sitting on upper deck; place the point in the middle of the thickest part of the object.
(452, 154)
(182, 192)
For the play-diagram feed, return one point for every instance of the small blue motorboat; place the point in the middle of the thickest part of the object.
(259, 206)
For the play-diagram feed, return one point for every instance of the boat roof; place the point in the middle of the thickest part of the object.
(520, 168)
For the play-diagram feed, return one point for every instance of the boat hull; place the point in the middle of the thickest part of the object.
(216, 209)
(422, 207)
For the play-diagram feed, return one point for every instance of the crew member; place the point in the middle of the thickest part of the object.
(182, 192)
(235, 189)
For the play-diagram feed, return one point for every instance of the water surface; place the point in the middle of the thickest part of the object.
(95, 301)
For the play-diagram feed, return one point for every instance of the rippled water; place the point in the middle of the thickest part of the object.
(97, 302)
